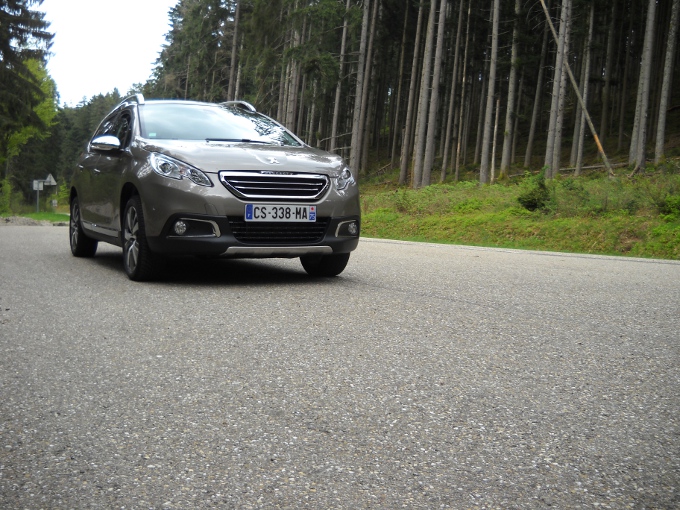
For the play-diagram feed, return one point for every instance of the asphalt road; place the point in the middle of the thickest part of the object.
(424, 376)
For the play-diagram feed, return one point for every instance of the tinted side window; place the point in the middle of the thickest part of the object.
(123, 129)
(106, 127)
(118, 125)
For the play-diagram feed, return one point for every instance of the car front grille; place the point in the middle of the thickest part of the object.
(250, 232)
(275, 186)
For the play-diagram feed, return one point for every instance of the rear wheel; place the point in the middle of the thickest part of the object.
(139, 261)
(81, 245)
(325, 265)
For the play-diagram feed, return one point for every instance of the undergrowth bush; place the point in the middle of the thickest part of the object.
(534, 193)
(5, 196)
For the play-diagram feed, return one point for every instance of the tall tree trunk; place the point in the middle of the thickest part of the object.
(186, 83)
(367, 84)
(586, 80)
(238, 76)
(231, 94)
(537, 100)
(338, 89)
(357, 131)
(493, 142)
(465, 138)
(515, 129)
(434, 100)
(479, 96)
(557, 87)
(624, 92)
(512, 92)
(574, 85)
(667, 82)
(609, 64)
(484, 162)
(577, 109)
(557, 148)
(464, 107)
(452, 96)
(400, 79)
(424, 100)
(408, 127)
(301, 107)
(312, 115)
(658, 52)
(282, 92)
(644, 85)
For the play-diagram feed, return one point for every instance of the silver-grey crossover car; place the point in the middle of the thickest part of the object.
(182, 178)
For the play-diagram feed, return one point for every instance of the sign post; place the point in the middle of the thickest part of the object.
(37, 187)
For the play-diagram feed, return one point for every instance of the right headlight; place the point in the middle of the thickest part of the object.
(176, 169)
(344, 179)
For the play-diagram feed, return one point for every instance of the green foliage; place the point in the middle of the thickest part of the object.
(24, 43)
(45, 111)
(671, 206)
(5, 196)
(597, 215)
(64, 193)
(534, 193)
(664, 241)
(56, 150)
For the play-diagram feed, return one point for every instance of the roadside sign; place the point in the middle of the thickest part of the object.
(37, 185)
(50, 181)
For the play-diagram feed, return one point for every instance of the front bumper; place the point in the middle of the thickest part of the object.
(220, 236)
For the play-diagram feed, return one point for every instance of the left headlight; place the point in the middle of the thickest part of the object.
(175, 169)
(344, 179)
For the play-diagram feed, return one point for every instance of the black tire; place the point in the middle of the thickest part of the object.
(325, 265)
(81, 245)
(139, 262)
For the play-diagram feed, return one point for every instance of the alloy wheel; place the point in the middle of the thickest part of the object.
(131, 240)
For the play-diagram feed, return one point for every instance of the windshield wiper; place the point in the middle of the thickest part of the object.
(239, 140)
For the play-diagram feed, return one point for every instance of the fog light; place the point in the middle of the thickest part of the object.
(347, 229)
(180, 228)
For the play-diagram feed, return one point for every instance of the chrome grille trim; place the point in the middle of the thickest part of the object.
(275, 251)
(276, 186)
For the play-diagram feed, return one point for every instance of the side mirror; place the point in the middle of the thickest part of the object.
(105, 143)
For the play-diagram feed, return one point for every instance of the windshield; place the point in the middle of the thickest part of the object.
(185, 121)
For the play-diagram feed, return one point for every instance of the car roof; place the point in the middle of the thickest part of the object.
(139, 100)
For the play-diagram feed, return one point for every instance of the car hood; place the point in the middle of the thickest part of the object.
(211, 157)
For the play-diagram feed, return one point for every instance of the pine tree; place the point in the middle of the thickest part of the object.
(23, 38)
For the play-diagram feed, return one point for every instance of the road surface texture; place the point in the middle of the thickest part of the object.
(425, 376)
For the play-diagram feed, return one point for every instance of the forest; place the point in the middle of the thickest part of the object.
(429, 92)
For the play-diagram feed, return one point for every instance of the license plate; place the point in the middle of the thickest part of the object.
(280, 212)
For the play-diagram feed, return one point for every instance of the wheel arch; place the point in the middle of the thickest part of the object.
(129, 190)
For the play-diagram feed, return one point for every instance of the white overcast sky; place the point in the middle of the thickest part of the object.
(100, 45)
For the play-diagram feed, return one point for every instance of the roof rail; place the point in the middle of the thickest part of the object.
(137, 98)
(243, 105)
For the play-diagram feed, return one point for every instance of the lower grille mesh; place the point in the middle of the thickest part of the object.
(251, 232)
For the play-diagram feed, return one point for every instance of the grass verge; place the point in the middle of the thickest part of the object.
(638, 218)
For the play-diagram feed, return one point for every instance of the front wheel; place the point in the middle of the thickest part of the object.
(139, 262)
(325, 265)
(81, 245)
